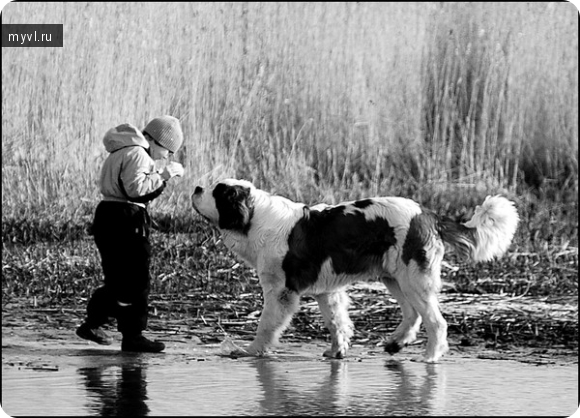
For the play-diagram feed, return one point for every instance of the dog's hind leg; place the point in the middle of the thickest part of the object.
(407, 330)
(334, 309)
(279, 306)
(420, 288)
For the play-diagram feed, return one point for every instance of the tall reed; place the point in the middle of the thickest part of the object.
(317, 101)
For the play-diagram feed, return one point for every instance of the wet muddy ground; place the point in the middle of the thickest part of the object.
(509, 356)
(501, 323)
(52, 372)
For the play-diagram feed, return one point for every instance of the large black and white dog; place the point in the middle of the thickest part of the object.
(321, 249)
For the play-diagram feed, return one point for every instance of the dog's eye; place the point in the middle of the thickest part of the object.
(232, 193)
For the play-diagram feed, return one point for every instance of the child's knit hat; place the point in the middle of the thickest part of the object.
(166, 130)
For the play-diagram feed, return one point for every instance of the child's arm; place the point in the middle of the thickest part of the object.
(138, 178)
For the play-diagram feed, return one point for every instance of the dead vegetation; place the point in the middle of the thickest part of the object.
(202, 291)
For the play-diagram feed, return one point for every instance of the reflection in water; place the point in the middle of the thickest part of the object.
(116, 392)
(284, 395)
(415, 390)
(405, 389)
(96, 384)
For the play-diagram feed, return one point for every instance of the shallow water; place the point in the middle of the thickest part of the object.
(94, 382)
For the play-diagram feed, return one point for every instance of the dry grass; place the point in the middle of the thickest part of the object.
(443, 103)
(318, 101)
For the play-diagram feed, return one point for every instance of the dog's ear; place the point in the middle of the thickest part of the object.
(235, 206)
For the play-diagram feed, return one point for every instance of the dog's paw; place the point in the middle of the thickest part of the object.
(434, 355)
(392, 347)
(240, 352)
(425, 359)
(256, 350)
(334, 353)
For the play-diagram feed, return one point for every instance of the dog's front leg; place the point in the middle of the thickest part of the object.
(334, 309)
(280, 304)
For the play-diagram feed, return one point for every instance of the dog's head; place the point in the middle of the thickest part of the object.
(228, 204)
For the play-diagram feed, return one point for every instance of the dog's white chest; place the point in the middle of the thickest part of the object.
(239, 245)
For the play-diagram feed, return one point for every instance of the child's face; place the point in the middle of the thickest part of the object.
(157, 151)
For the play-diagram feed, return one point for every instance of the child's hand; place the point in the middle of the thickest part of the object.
(172, 169)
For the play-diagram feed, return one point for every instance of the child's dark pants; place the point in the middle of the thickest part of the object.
(121, 232)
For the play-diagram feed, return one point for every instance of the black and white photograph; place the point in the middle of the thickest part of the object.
(290, 208)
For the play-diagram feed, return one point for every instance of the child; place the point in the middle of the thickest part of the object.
(128, 182)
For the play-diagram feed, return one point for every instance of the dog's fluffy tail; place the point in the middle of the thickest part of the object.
(487, 234)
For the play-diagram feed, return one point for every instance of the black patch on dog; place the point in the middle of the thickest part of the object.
(235, 207)
(361, 204)
(421, 230)
(352, 243)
